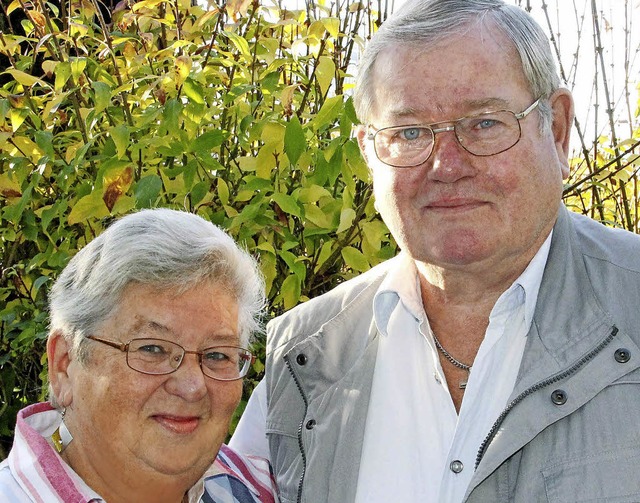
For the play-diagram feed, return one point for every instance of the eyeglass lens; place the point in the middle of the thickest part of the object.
(157, 356)
(481, 135)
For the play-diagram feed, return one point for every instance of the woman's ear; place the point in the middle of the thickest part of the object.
(59, 356)
(562, 106)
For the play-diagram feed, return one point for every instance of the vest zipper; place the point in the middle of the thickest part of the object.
(537, 387)
(300, 444)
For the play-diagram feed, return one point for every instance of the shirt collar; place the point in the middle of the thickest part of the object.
(401, 283)
(529, 281)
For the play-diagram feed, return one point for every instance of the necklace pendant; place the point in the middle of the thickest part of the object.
(463, 384)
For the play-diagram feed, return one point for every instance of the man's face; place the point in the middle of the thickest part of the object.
(125, 423)
(457, 210)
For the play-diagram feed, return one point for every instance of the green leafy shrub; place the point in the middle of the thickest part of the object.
(235, 113)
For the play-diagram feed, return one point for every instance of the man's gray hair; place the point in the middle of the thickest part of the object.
(425, 22)
(167, 249)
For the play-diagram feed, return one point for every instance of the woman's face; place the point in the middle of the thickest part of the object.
(126, 424)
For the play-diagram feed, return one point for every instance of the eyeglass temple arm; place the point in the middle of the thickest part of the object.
(528, 110)
(121, 346)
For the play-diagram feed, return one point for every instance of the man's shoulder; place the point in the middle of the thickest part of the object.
(615, 246)
(311, 315)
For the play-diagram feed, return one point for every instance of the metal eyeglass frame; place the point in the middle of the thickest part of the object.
(124, 347)
(372, 132)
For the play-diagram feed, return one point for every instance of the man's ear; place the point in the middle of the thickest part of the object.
(59, 356)
(361, 135)
(562, 106)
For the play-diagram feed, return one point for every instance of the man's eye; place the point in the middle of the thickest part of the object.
(410, 133)
(486, 123)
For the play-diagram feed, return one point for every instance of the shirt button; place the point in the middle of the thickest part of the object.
(456, 466)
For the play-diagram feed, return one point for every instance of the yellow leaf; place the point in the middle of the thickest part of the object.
(13, 6)
(182, 68)
(325, 73)
(49, 66)
(89, 207)
(37, 17)
(9, 187)
(332, 25)
(17, 117)
(116, 183)
(237, 8)
(27, 148)
(223, 191)
(25, 79)
(347, 216)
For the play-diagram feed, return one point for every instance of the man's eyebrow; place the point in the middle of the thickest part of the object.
(473, 106)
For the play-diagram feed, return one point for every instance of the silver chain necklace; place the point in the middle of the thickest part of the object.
(452, 360)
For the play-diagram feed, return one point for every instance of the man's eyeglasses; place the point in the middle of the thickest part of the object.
(158, 357)
(482, 135)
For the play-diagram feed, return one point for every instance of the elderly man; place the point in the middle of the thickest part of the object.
(496, 358)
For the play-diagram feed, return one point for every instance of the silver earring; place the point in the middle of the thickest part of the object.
(61, 438)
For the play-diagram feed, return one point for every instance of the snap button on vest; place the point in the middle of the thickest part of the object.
(559, 397)
(456, 466)
(301, 359)
(622, 355)
(310, 424)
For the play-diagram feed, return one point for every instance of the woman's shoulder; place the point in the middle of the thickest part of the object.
(245, 478)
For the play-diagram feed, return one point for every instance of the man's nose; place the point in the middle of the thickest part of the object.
(449, 160)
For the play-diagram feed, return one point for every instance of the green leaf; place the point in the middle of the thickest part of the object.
(328, 113)
(193, 91)
(198, 192)
(206, 142)
(294, 140)
(147, 191)
(120, 136)
(241, 44)
(355, 259)
(171, 116)
(291, 289)
(102, 94)
(287, 203)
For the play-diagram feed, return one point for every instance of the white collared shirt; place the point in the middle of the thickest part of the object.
(416, 447)
(414, 439)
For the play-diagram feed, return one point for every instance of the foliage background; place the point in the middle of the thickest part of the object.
(239, 112)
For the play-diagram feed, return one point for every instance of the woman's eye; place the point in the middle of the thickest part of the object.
(153, 349)
(215, 356)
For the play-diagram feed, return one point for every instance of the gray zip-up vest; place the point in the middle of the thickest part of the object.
(571, 431)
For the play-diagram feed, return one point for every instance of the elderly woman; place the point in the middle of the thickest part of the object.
(147, 348)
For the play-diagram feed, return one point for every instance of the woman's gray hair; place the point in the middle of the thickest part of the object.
(426, 22)
(164, 248)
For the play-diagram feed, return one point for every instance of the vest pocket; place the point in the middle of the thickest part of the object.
(610, 476)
